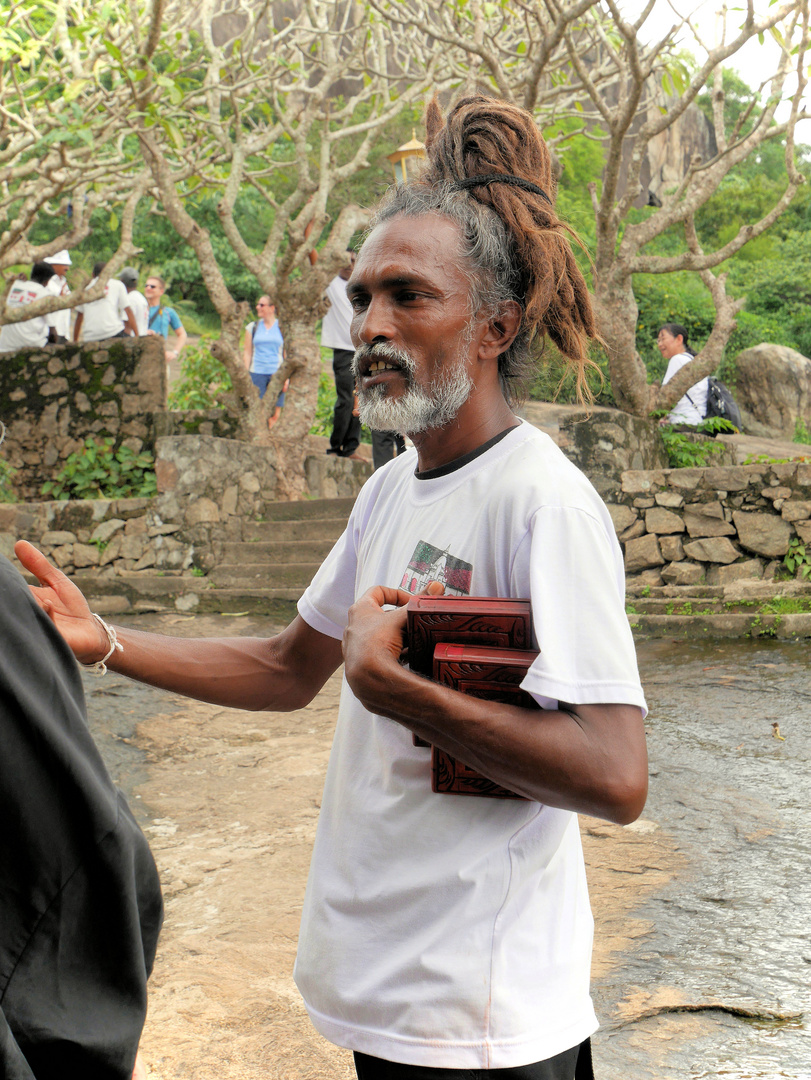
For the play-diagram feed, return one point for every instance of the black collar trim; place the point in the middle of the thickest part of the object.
(460, 462)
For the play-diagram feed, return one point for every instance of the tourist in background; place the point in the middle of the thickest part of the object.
(691, 409)
(264, 351)
(108, 317)
(162, 318)
(137, 301)
(58, 285)
(345, 438)
(30, 333)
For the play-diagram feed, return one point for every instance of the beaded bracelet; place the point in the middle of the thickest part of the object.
(100, 666)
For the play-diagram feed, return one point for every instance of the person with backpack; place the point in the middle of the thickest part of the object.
(264, 351)
(691, 409)
(705, 399)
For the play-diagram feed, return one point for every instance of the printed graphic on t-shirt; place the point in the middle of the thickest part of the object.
(429, 563)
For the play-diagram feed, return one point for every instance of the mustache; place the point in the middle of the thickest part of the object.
(383, 351)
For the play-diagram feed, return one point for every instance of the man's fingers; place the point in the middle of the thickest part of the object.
(36, 563)
(433, 588)
(381, 595)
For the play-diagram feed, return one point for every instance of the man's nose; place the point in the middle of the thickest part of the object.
(374, 323)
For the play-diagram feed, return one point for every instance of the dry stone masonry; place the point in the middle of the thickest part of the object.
(51, 399)
(712, 525)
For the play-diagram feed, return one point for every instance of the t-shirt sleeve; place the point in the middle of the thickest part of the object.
(121, 297)
(174, 319)
(587, 653)
(331, 593)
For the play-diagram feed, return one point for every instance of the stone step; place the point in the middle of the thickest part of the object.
(327, 528)
(306, 509)
(256, 575)
(692, 592)
(276, 552)
(793, 627)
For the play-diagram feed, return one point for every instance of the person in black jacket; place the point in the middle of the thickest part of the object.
(80, 900)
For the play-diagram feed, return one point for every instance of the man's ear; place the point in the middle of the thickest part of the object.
(501, 331)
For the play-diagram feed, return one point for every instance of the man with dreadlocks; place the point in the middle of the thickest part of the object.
(445, 936)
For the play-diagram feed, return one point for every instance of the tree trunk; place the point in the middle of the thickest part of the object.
(616, 312)
(291, 433)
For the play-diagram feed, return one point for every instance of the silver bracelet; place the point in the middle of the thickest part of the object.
(100, 666)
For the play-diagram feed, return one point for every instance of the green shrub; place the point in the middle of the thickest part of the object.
(7, 476)
(101, 472)
(685, 451)
(801, 433)
(325, 409)
(204, 380)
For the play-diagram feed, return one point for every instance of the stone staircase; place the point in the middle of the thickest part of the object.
(275, 562)
(740, 609)
(265, 574)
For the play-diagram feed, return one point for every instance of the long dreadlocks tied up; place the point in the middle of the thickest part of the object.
(515, 247)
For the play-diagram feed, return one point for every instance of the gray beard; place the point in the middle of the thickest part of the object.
(416, 410)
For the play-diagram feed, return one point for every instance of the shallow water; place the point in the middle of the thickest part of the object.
(733, 926)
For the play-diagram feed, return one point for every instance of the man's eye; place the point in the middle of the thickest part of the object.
(358, 302)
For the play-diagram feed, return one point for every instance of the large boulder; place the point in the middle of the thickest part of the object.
(774, 387)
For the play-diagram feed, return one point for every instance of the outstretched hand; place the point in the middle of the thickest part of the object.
(64, 604)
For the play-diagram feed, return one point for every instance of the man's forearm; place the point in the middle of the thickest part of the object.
(587, 758)
(243, 673)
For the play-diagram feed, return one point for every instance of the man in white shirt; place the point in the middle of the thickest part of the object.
(344, 439)
(137, 302)
(58, 285)
(108, 317)
(444, 936)
(31, 333)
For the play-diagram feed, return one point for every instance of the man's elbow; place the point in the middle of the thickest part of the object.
(626, 795)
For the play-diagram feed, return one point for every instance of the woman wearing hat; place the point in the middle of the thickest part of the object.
(58, 285)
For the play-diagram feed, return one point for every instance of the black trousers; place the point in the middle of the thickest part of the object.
(345, 437)
(383, 446)
(574, 1064)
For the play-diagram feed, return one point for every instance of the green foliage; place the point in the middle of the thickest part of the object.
(101, 472)
(801, 433)
(325, 409)
(778, 292)
(797, 559)
(203, 381)
(7, 475)
(685, 451)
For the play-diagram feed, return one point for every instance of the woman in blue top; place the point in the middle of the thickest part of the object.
(264, 351)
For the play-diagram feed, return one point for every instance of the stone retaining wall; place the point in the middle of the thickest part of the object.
(713, 525)
(51, 399)
(115, 537)
(209, 488)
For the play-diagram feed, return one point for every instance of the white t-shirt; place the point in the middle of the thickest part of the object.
(686, 411)
(61, 319)
(444, 930)
(139, 306)
(31, 332)
(104, 318)
(335, 327)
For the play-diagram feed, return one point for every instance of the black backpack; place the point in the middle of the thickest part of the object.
(720, 402)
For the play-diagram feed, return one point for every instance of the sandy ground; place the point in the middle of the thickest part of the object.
(234, 800)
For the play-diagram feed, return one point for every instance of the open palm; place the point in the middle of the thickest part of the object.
(64, 604)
